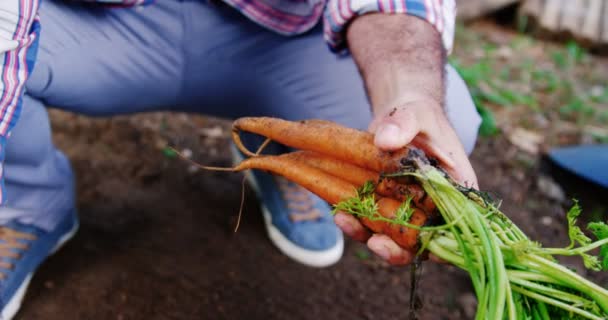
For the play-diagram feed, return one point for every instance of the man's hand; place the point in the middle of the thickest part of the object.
(424, 125)
(413, 123)
(402, 62)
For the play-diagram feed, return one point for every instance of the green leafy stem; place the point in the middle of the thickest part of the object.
(513, 276)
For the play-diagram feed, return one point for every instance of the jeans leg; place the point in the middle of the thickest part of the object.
(93, 61)
(39, 180)
(98, 61)
(461, 110)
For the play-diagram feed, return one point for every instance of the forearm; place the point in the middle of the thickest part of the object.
(400, 57)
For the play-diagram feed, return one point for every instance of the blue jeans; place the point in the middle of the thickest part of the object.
(187, 56)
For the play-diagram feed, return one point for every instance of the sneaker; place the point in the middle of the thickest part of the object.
(298, 222)
(22, 249)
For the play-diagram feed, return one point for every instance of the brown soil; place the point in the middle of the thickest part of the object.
(156, 240)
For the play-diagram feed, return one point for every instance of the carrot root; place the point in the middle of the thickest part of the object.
(333, 190)
(324, 137)
(334, 161)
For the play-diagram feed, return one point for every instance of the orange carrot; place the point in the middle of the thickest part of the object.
(339, 168)
(350, 145)
(402, 191)
(358, 176)
(333, 190)
(323, 184)
(405, 237)
(336, 160)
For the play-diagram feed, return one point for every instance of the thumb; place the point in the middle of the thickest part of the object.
(396, 131)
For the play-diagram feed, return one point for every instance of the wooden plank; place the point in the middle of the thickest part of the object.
(551, 14)
(572, 12)
(585, 20)
(593, 21)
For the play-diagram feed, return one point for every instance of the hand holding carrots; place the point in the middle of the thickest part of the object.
(424, 125)
(403, 71)
(337, 164)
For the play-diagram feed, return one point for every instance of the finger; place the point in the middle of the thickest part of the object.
(460, 168)
(428, 129)
(401, 128)
(388, 250)
(396, 131)
(431, 149)
(440, 140)
(467, 176)
(352, 227)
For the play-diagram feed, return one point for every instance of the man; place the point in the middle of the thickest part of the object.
(229, 59)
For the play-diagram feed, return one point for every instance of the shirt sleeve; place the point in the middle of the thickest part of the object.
(339, 13)
(19, 30)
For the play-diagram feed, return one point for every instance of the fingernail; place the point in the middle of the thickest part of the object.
(388, 131)
(381, 250)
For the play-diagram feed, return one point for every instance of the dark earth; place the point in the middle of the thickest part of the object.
(157, 242)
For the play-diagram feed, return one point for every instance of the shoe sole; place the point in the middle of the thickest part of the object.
(311, 258)
(14, 303)
(317, 259)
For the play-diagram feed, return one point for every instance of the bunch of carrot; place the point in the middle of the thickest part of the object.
(398, 193)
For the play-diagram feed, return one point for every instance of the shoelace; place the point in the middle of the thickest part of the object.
(299, 202)
(9, 241)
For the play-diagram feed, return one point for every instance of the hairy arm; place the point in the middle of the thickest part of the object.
(400, 57)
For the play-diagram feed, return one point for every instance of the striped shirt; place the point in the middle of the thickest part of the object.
(20, 27)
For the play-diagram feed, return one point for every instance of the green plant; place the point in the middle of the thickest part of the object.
(169, 152)
(362, 254)
(513, 276)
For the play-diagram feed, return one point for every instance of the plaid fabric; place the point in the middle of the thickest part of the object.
(292, 17)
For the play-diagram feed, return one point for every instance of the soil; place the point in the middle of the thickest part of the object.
(157, 242)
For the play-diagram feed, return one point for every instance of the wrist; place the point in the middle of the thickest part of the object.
(390, 95)
(400, 58)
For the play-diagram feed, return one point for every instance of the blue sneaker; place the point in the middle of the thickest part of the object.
(22, 249)
(298, 222)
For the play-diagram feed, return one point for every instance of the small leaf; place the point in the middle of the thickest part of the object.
(574, 231)
(497, 99)
(362, 254)
(169, 153)
(559, 59)
(361, 205)
(575, 52)
(488, 122)
(600, 230)
(405, 210)
(366, 189)
(591, 262)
